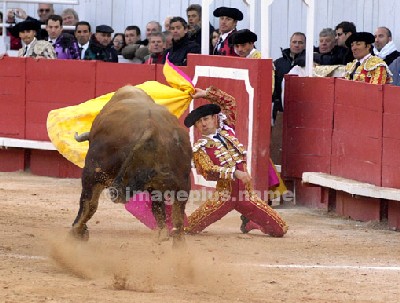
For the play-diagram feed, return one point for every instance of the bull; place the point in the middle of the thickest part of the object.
(136, 145)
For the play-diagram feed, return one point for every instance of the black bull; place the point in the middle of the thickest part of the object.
(136, 145)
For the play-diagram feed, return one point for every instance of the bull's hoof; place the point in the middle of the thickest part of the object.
(163, 235)
(82, 234)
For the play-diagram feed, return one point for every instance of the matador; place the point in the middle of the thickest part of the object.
(219, 156)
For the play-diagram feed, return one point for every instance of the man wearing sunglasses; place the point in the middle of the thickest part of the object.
(44, 11)
(343, 31)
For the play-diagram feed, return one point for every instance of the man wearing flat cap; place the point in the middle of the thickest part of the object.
(31, 46)
(219, 156)
(228, 18)
(366, 67)
(100, 46)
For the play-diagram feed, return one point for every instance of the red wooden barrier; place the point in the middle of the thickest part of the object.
(111, 76)
(307, 123)
(12, 111)
(250, 82)
(357, 133)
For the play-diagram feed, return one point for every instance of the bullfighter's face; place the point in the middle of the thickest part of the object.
(207, 125)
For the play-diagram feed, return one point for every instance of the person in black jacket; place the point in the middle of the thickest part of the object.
(181, 45)
(295, 55)
(100, 47)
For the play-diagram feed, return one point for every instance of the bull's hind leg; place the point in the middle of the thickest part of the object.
(158, 209)
(87, 207)
(178, 221)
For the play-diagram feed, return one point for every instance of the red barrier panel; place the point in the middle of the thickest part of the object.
(307, 131)
(12, 98)
(391, 137)
(12, 111)
(357, 133)
(111, 76)
(250, 82)
(52, 164)
(53, 84)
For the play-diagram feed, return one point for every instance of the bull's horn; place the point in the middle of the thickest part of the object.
(82, 137)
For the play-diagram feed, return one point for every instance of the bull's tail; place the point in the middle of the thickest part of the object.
(82, 137)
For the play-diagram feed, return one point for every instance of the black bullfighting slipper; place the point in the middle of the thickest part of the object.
(243, 226)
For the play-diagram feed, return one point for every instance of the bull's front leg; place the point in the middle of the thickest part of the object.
(88, 204)
(178, 221)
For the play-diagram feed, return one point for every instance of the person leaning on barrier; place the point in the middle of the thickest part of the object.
(219, 156)
(384, 46)
(32, 47)
(82, 35)
(366, 67)
(395, 69)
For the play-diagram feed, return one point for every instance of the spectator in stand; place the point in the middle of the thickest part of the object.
(327, 52)
(292, 56)
(384, 46)
(33, 47)
(15, 41)
(156, 48)
(118, 42)
(228, 18)
(168, 39)
(70, 17)
(214, 40)
(395, 69)
(64, 44)
(132, 42)
(82, 34)
(193, 13)
(366, 67)
(167, 20)
(343, 31)
(100, 47)
(44, 11)
(181, 45)
(151, 27)
(243, 44)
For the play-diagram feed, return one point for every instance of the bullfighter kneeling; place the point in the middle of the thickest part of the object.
(219, 156)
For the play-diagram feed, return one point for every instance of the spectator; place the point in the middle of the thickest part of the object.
(366, 67)
(167, 20)
(327, 52)
(151, 27)
(132, 41)
(82, 34)
(214, 40)
(100, 47)
(168, 39)
(44, 11)
(384, 46)
(181, 45)
(228, 18)
(343, 31)
(243, 44)
(194, 23)
(118, 42)
(15, 41)
(156, 48)
(132, 34)
(70, 17)
(32, 47)
(395, 69)
(292, 56)
(64, 44)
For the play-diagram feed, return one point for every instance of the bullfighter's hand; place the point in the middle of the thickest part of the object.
(199, 93)
(242, 176)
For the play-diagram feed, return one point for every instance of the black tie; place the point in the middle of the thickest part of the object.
(218, 137)
(354, 70)
(218, 45)
(25, 50)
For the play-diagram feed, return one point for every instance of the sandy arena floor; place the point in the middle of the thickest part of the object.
(322, 258)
